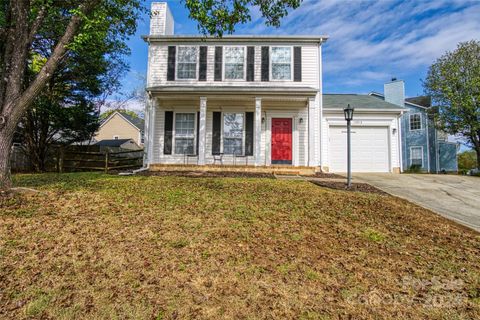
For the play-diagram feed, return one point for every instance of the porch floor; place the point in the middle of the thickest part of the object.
(274, 169)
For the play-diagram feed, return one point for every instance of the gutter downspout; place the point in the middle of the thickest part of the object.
(428, 142)
(437, 153)
(320, 106)
(399, 141)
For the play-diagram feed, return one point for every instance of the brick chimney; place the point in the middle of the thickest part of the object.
(161, 20)
(394, 92)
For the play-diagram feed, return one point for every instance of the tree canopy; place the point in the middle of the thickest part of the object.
(453, 82)
(214, 17)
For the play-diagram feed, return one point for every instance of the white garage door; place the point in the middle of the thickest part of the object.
(370, 149)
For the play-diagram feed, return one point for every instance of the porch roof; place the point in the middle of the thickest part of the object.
(235, 90)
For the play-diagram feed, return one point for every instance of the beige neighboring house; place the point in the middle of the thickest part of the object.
(120, 125)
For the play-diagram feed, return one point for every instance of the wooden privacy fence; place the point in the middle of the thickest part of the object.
(70, 160)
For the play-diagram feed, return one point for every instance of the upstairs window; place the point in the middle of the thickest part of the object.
(415, 121)
(184, 133)
(234, 63)
(233, 133)
(416, 156)
(281, 63)
(187, 63)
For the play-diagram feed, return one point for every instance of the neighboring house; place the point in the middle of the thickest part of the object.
(422, 145)
(120, 125)
(117, 144)
(255, 97)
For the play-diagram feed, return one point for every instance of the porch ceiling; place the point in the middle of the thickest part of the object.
(217, 97)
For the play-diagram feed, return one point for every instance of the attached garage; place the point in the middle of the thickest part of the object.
(370, 149)
(375, 134)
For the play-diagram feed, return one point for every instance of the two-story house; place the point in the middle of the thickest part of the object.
(423, 146)
(256, 101)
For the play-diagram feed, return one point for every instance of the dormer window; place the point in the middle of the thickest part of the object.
(281, 63)
(187, 63)
(234, 63)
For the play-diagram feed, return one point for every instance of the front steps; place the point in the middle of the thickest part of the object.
(274, 169)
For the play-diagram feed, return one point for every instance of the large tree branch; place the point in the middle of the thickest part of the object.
(37, 23)
(17, 107)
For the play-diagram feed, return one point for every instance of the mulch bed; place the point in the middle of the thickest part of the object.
(208, 174)
(361, 187)
(324, 175)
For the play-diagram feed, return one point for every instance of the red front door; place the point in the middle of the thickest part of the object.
(281, 141)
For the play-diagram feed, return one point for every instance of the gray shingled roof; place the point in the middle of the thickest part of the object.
(424, 101)
(111, 142)
(358, 101)
(136, 121)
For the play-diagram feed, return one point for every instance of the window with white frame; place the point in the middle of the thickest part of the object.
(184, 133)
(416, 156)
(187, 63)
(234, 63)
(415, 121)
(233, 133)
(281, 63)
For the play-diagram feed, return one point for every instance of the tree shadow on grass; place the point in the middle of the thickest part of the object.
(64, 181)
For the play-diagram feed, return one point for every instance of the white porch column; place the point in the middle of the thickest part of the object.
(150, 132)
(202, 131)
(258, 131)
(311, 132)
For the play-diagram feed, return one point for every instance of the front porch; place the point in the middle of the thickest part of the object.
(234, 130)
(272, 169)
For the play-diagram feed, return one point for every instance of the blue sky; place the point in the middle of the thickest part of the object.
(370, 41)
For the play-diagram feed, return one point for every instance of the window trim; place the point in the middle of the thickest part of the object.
(174, 131)
(197, 63)
(244, 63)
(222, 133)
(410, 121)
(411, 158)
(271, 64)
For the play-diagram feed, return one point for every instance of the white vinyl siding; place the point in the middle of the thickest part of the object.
(158, 56)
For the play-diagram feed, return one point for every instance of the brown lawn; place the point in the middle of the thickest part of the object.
(100, 247)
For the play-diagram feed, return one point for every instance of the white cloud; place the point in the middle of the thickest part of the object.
(373, 40)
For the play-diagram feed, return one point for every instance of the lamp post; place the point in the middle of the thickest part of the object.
(348, 112)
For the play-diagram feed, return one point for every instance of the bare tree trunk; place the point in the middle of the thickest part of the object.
(5, 149)
(477, 150)
(15, 102)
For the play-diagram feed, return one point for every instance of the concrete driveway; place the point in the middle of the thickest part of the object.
(454, 197)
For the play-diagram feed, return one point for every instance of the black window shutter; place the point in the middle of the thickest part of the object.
(249, 134)
(250, 63)
(198, 133)
(202, 72)
(265, 63)
(168, 132)
(218, 63)
(216, 132)
(297, 64)
(171, 63)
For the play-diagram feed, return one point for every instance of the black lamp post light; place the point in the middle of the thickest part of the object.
(348, 112)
